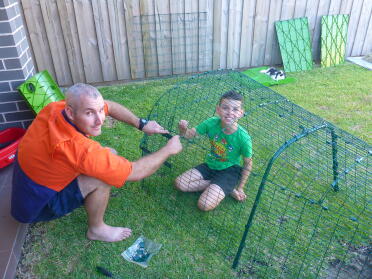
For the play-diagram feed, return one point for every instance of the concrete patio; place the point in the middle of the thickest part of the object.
(12, 233)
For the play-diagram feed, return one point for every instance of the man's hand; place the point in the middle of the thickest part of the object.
(174, 145)
(148, 164)
(238, 194)
(152, 127)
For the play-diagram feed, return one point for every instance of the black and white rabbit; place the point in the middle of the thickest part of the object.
(274, 73)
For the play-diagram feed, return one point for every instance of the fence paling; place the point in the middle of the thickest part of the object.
(240, 37)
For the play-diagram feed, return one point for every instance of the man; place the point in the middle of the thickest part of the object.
(58, 167)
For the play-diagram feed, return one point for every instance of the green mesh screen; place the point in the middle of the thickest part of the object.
(294, 42)
(40, 90)
(333, 39)
(308, 211)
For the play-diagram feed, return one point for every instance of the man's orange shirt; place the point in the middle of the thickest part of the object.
(53, 153)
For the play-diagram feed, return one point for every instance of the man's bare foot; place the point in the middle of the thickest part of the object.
(108, 233)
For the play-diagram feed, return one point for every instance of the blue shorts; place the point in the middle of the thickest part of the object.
(226, 179)
(32, 202)
(62, 202)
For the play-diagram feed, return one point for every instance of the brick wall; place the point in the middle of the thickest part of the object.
(16, 66)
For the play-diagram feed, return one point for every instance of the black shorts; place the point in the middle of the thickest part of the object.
(227, 179)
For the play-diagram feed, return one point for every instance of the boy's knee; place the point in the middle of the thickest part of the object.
(205, 205)
(179, 184)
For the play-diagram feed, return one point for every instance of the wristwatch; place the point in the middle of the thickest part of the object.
(142, 123)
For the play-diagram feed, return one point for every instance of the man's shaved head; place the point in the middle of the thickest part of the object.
(75, 92)
(85, 108)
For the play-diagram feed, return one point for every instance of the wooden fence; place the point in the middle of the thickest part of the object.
(107, 40)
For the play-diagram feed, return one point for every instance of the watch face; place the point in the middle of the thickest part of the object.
(143, 122)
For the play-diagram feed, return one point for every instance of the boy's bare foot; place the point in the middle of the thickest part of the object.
(238, 195)
(108, 233)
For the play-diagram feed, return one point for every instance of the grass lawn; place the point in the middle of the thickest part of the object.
(59, 249)
(342, 95)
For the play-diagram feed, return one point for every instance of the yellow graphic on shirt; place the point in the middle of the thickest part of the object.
(218, 149)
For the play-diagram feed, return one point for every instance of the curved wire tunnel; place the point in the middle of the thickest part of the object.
(308, 209)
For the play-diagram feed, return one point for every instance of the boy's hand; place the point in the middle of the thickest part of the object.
(182, 125)
(238, 194)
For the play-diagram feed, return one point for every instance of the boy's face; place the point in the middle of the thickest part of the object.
(230, 111)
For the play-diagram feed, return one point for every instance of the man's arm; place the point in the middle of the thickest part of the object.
(147, 165)
(121, 113)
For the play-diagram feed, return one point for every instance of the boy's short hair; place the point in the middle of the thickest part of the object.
(232, 95)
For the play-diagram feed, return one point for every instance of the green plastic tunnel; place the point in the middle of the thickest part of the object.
(40, 90)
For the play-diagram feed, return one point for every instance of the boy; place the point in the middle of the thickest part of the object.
(221, 174)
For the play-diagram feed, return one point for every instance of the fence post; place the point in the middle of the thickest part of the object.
(334, 160)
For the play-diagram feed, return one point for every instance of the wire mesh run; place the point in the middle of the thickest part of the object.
(308, 211)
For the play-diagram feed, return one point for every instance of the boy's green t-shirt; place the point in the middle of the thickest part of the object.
(226, 150)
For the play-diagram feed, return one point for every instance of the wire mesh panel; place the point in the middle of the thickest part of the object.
(294, 42)
(172, 43)
(333, 39)
(305, 228)
(307, 214)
